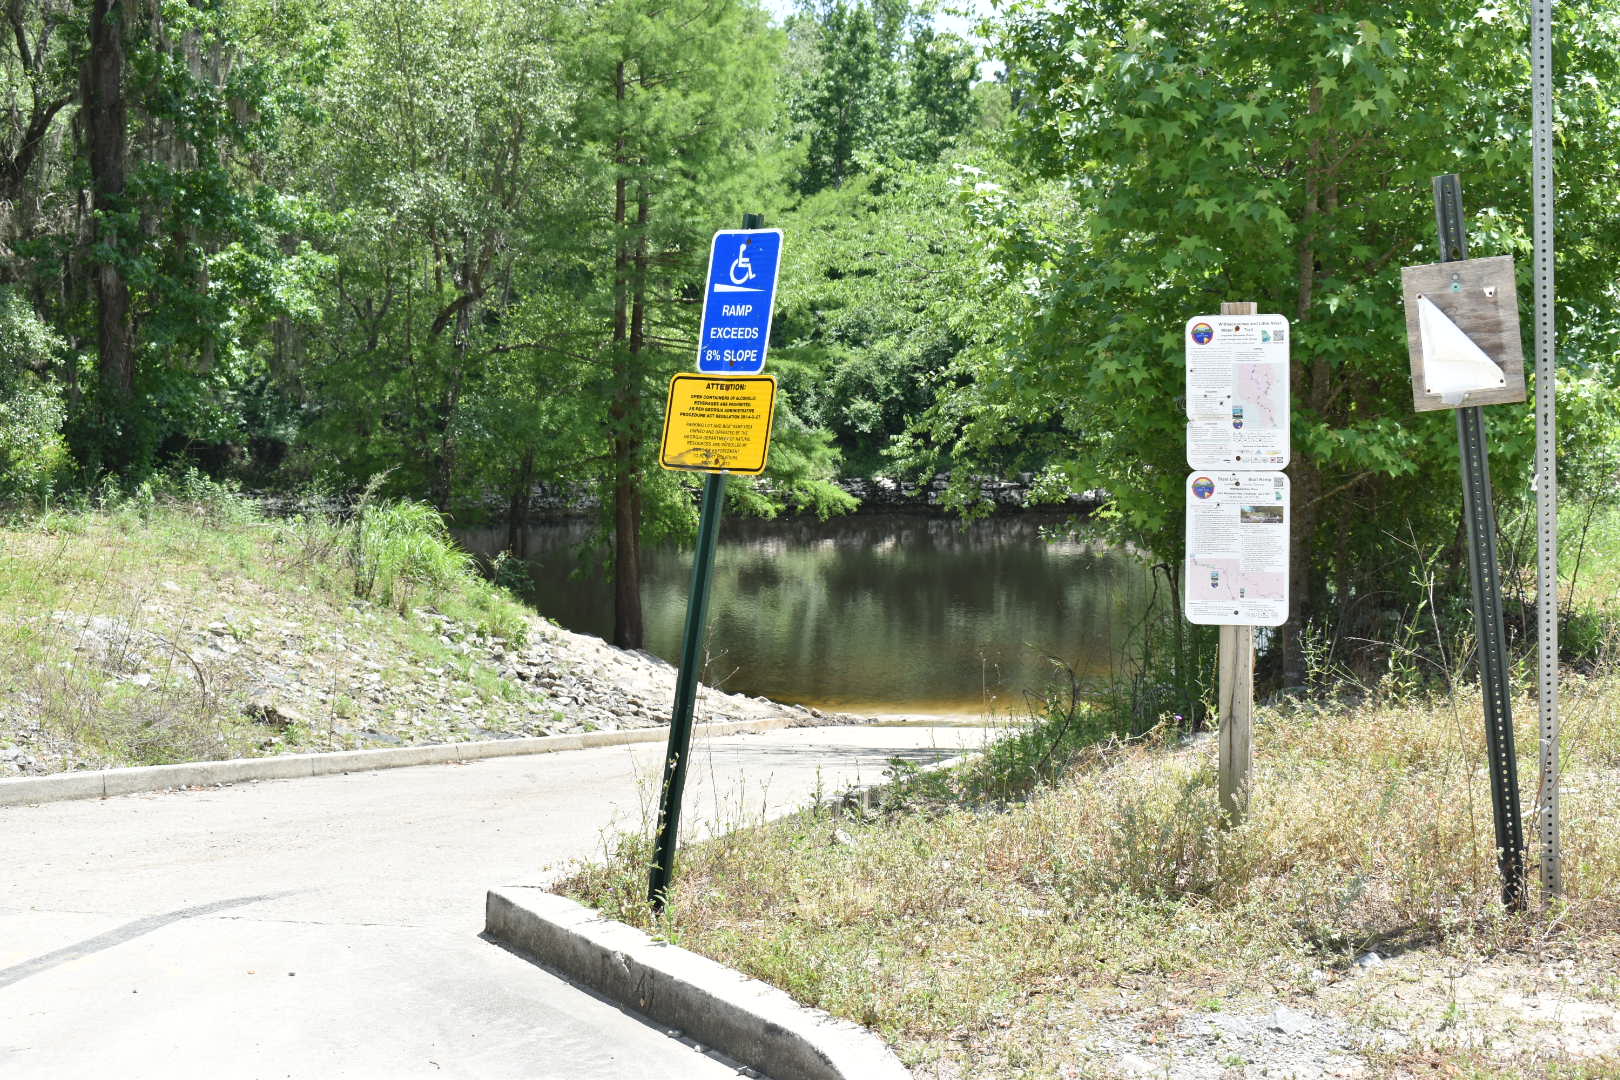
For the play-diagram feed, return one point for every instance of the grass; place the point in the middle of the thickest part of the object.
(993, 938)
(119, 623)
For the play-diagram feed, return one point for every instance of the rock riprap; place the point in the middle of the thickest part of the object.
(167, 681)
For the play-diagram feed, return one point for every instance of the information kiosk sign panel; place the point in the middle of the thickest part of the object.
(1236, 572)
(1237, 392)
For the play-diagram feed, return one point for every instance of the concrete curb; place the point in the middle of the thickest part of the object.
(755, 1024)
(106, 782)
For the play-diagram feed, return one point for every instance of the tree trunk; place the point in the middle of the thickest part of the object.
(1305, 479)
(444, 478)
(105, 114)
(627, 623)
(1306, 490)
(517, 510)
(627, 626)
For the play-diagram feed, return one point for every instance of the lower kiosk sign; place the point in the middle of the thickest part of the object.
(718, 423)
(1237, 548)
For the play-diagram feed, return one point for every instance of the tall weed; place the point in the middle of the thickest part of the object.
(401, 554)
(402, 549)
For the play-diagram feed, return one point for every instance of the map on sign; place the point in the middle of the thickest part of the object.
(1237, 392)
(1236, 569)
(718, 424)
(738, 301)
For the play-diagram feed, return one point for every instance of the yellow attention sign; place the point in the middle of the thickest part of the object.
(719, 423)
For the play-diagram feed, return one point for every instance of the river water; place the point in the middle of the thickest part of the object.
(876, 613)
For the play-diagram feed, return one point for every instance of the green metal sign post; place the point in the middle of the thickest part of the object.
(677, 756)
(1480, 518)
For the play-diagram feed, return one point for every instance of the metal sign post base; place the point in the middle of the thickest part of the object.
(1479, 515)
(1494, 682)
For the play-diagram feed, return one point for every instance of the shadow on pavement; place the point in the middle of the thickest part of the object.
(118, 935)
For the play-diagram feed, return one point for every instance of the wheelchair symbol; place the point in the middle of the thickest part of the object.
(742, 271)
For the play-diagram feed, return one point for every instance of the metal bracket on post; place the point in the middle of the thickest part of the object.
(1479, 515)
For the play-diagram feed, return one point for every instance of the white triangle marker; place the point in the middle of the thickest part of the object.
(1452, 364)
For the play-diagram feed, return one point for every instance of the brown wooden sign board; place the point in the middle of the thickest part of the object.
(1479, 298)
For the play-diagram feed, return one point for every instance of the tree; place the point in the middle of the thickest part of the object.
(884, 85)
(938, 103)
(33, 455)
(676, 102)
(136, 225)
(1191, 152)
(105, 111)
(433, 158)
(44, 38)
(871, 307)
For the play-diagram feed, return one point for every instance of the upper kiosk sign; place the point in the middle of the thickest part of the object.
(1238, 404)
(738, 300)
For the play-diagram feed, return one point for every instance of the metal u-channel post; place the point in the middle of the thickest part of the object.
(1493, 665)
(677, 755)
(1479, 515)
(1541, 110)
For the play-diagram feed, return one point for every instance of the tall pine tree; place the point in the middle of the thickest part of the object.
(677, 98)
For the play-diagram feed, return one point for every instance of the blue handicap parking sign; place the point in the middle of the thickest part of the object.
(738, 300)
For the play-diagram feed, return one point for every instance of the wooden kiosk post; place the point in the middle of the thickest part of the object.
(1238, 506)
(1235, 680)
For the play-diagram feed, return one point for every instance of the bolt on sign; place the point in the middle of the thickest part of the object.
(718, 424)
(1462, 330)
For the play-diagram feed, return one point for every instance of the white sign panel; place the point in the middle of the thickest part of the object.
(1237, 392)
(1236, 571)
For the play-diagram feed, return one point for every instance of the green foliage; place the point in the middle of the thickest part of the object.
(429, 150)
(33, 453)
(209, 252)
(881, 84)
(1192, 153)
(401, 555)
(871, 308)
(401, 549)
(800, 473)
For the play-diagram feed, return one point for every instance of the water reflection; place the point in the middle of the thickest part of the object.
(877, 613)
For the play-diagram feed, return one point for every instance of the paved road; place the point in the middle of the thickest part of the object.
(329, 927)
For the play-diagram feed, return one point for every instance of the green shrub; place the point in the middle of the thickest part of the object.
(33, 453)
(401, 553)
(215, 502)
(400, 549)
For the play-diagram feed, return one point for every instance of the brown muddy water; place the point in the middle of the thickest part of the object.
(878, 613)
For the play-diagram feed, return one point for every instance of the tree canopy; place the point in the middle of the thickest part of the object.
(460, 245)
